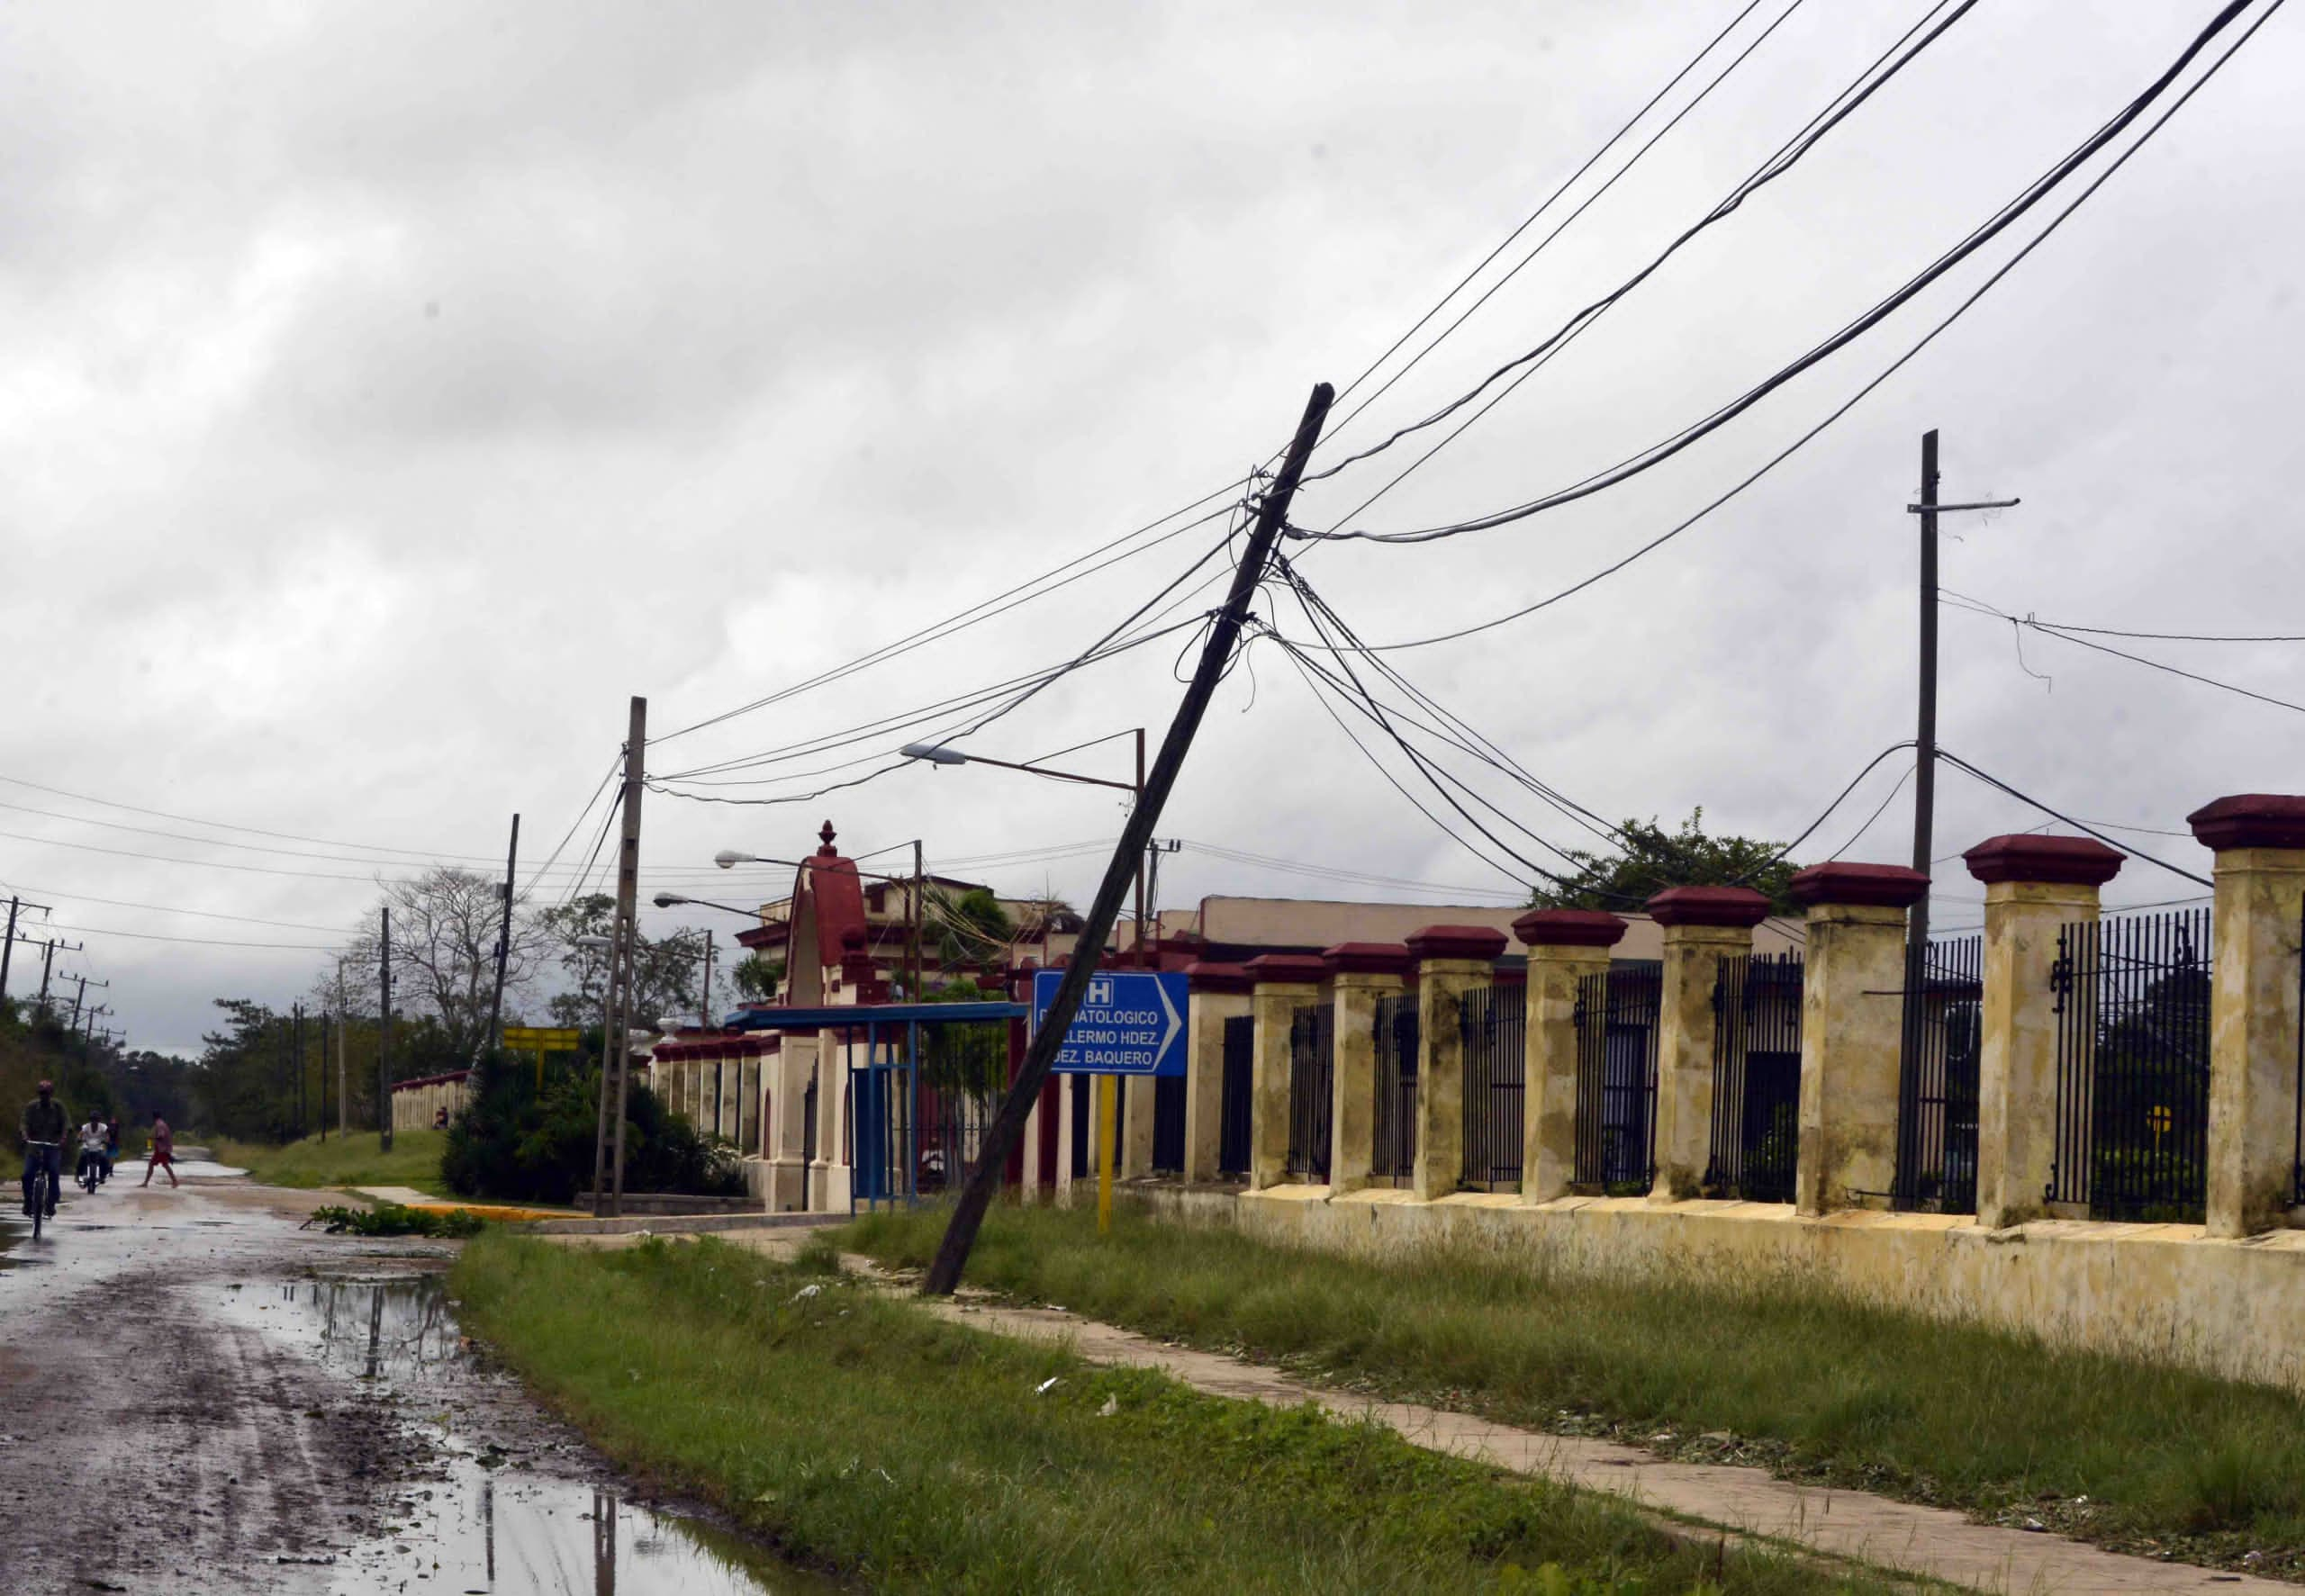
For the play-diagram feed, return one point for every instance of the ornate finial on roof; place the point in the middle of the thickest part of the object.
(827, 835)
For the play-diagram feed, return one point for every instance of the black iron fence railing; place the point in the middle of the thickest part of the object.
(1937, 1079)
(952, 1126)
(1616, 1077)
(1393, 1157)
(1488, 1020)
(2297, 1192)
(2132, 1066)
(1312, 1089)
(1084, 1126)
(1756, 1078)
(1169, 1124)
(809, 1122)
(1236, 1091)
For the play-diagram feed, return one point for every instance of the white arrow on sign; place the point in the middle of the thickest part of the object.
(1176, 1021)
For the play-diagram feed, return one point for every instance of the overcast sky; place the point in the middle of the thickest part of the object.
(390, 391)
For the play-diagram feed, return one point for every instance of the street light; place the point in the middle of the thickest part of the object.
(668, 900)
(940, 754)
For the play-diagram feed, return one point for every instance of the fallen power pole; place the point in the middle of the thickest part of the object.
(1127, 863)
(8, 940)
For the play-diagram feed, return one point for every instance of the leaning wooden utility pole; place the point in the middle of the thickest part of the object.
(1128, 860)
(624, 937)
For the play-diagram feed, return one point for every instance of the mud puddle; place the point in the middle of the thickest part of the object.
(499, 1500)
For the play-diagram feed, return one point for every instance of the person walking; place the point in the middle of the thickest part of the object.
(41, 1130)
(163, 1146)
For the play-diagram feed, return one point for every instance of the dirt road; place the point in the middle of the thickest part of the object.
(195, 1394)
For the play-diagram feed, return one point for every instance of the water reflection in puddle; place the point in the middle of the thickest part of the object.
(480, 1532)
(489, 1525)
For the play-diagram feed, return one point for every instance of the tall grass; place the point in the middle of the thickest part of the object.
(1828, 1388)
(414, 1160)
(867, 1437)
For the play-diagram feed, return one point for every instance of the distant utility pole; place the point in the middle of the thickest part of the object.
(704, 1001)
(1127, 860)
(503, 943)
(8, 942)
(79, 998)
(47, 959)
(296, 1047)
(343, 1093)
(322, 1116)
(385, 1035)
(616, 1051)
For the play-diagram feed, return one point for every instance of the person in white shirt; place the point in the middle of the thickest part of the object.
(95, 1140)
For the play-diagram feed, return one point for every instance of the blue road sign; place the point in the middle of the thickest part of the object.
(1132, 1022)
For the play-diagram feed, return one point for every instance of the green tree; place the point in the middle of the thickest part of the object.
(1654, 859)
(756, 979)
(669, 969)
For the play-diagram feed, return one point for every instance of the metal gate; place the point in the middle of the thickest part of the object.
(1756, 1078)
(1940, 1058)
(1616, 1078)
(2132, 1066)
(1489, 1022)
(1393, 1159)
(808, 1121)
(1312, 1089)
(1236, 1093)
(1169, 1124)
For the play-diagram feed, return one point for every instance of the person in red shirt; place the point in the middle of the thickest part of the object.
(163, 1143)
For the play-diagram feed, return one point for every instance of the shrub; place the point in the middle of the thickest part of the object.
(513, 1143)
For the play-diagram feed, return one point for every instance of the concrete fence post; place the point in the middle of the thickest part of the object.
(2033, 888)
(1284, 982)
(2259, 839)
(1135, 1148)
(1703, 926)
(1220, 992)
(1449, 961)
(1360, 974)
(1852, 1020)
(1565, 946)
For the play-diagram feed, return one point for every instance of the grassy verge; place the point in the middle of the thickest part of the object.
(414, 1160)
(864, 1435)
(1773, 1372)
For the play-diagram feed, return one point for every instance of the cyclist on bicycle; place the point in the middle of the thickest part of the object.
(42, 1130)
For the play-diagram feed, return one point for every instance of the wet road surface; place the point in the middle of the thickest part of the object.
(195, 1394)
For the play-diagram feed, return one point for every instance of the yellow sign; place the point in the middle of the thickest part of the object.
(2157, 1117)
(547, 1039)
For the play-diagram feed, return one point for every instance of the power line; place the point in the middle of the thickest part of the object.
(2027, 799)
(2002, 220)
(1776, 166)
(121, 903)
(1978, 607)
(1670, 534)
(1633, 160)
(420, 853)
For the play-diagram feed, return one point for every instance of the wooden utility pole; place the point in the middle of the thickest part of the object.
(1128, 859)
(1924, 777)
(385, 1035)
(704, 999)
(616, 1048)
(343, 1080)
(495, 1037)
(296, 1047)
(8, 942)
(321, 1118)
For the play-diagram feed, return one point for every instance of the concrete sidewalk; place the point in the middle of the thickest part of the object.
(1893, 1535)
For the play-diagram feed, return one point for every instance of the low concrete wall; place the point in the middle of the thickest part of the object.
(2163, 1293)
(675, 1203)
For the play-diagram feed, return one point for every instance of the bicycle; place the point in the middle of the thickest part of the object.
(39, 1188)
